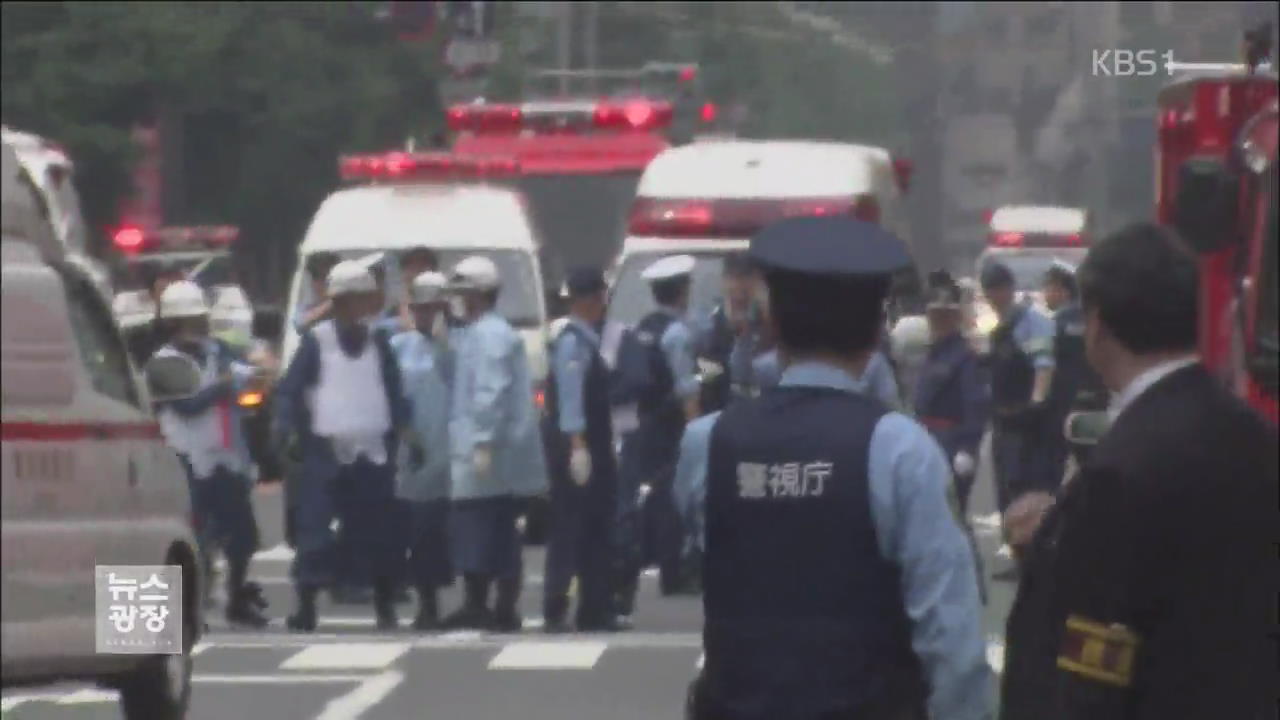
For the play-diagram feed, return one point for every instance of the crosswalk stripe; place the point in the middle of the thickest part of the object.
(448, 641)
(366, 656)
(369, 693)
(548, 656)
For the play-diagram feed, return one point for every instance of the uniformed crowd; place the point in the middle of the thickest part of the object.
(765, 456)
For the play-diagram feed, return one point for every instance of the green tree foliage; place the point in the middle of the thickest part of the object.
(267, 96)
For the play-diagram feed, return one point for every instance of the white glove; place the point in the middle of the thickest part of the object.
(963, 464)
(580, 466)
(481, 461)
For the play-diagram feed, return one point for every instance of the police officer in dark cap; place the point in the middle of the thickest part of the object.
(837, 581)
(582, 465)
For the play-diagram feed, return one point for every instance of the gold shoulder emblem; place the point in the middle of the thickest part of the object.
(1104, 653)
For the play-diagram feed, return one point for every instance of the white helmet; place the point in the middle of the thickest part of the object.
(429, 287)
(183, 299)
(350, 277)
(475, 273)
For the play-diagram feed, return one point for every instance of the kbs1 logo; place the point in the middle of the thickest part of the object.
(1131, 63)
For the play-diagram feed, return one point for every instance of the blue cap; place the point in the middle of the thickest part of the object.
(829, 246)
(584, 281)
(996, 274)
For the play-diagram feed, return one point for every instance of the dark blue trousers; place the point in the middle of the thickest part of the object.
(428, 544)
(581, 544)
(223, 508)
(367, 509)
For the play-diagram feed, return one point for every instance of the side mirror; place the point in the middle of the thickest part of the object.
(268, 323)
(171, 378)
(1204, 208)
(1086, 428)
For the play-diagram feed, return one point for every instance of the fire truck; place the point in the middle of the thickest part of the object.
(581, 139)
(1216, 183)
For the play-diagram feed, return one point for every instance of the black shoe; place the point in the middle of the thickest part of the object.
(243, 611)
(387, 619)
(253, 595)
(304, 618)
(468, 619)
(507, 621)
(426, 621)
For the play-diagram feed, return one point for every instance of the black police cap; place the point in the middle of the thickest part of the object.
(584, 281)
(996, 274)
(831, 246)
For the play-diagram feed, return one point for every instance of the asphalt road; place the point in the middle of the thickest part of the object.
(346, 670)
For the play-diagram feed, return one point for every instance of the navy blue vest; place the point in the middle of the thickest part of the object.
(595, 407)
(718, 349)
(1012, 374)
(1075, 384)
(804, 617)
(661, 415)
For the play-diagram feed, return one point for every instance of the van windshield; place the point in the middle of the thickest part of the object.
(518, 300)
(1029, 266)
(631, 299)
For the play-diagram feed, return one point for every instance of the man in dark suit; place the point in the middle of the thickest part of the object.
(1149, 588)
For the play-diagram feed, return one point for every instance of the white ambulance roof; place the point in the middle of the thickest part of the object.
(764, 169)
(1038, 219)
(390, 217)
(22, 217)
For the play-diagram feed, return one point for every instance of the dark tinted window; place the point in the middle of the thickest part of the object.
(101, 349)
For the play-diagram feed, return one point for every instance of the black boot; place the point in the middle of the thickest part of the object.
(506, 618)
(384, 604)
(304, 618)
(474, 613)
(241, 607)
(428, 617)
(554, 611)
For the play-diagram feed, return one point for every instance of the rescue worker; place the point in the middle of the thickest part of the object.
(341, 398)
(413, 262)
(318, 266)
(583, 468)
(1149, 587)
(1021, 368)
(145, 340)
(205, 431)
(497, 455)
(837, 582)
(1076, 387)
(670, 402)
(951, 398)
(728, 330)
(422, 478)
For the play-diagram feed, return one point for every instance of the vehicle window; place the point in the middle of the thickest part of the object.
(631, 299)
(101, 349)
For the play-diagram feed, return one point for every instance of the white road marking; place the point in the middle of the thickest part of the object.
(199, 648)
(455, 640)
(277, 553)
(995, 654)
(365, 656)
(77, 697)
(547, 656)
(281, 679)
(370, 692)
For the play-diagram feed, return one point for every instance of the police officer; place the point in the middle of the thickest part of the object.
(583, 467)
(342, 399)
(837, 582)
(951, 398)
(498, 459)
(1076, 387)
(1149, 588)
(423, 466)
(1021, 372)
(205, 431)
(728, 336)
(651, 451)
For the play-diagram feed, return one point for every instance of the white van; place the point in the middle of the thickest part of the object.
(455, 221)
(87, 479)
(708, 198)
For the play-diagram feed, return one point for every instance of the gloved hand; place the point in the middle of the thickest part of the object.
(481, 461)
(580, 466)
(963, 464)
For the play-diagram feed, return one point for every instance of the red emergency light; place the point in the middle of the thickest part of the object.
(635, 115)
(709, 112)
(688, 73)
(133, 240)
(1019, 239)
(425, 166)
(737, 218)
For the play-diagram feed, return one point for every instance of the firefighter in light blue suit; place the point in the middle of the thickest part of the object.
(497, 452)
(422, 480)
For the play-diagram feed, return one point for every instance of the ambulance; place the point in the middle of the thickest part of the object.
(1028, 239)
(448, 203)
(708, 198)
(87, 479)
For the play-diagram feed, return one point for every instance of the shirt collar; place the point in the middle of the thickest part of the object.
(585, 328)
(814, 373)
(1144, 381)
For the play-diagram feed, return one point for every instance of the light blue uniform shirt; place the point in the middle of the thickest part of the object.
(423, 372)
(677, 346)
(915, 529)
(570, 360)
(1034, 333)
(879, 381)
